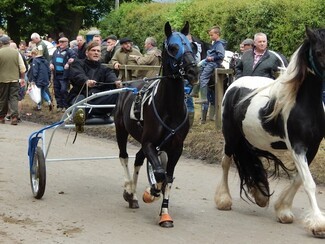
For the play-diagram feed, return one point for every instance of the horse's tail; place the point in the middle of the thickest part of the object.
(252, 172)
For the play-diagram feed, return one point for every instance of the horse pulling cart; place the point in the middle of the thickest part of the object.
(38, 148)
(161, 127)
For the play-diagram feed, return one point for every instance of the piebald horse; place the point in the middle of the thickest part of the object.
(261, 117)
(164, 126)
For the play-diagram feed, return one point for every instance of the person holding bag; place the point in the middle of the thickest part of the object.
(40, 74)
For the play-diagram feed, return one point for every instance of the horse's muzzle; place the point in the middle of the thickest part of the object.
(192, 74)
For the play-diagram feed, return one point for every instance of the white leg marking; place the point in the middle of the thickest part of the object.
(128, 183)
(315, 220)
(135, 181)
(284, 203)
(166, 195)
(222, 196)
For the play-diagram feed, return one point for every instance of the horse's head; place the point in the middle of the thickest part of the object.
(180, 58)
(316, 39)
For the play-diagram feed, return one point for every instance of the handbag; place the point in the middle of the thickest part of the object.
(34, 92)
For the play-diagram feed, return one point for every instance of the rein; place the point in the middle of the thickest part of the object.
(313, 65)
(179, 75)
(144, 79)
(171, 131)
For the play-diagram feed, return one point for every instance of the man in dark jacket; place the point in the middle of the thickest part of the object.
(112, 44)
(258, 61)
(81, 47)
(91, 73)
(62, 57)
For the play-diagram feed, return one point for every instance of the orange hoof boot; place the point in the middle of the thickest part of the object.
(148, 198)
(166, 221)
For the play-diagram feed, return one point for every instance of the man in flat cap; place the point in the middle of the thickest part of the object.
(62, 57)
(247, 44)
(121, 56)
(112, 44)
(12, 73)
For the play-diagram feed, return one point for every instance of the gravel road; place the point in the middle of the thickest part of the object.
(83, 200)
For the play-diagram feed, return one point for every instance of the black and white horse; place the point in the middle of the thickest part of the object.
(261, 117)
(164, 126)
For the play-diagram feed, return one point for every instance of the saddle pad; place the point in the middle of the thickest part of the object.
(145, 96)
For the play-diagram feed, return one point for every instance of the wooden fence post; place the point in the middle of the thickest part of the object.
(220, 76)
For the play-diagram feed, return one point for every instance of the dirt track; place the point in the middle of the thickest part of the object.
(83, 200)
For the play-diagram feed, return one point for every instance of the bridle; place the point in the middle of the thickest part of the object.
(177, 64)
(178, 68)
(313, 65)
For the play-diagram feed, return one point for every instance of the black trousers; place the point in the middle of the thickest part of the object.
(109, 99)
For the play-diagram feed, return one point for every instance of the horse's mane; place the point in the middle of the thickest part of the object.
(285, 89)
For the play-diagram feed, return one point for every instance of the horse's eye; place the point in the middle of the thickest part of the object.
(319, 54)
(173, 49)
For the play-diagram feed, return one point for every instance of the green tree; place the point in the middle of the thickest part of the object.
(21, 18)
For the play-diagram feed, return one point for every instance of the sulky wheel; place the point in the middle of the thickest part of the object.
(38, 174)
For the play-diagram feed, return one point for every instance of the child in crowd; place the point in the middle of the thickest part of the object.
(40, 74)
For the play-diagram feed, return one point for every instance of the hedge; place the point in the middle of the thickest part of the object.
(283, 21)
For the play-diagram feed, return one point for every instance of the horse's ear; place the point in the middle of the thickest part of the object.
(168, 29)
(186, 29)
(310, 34)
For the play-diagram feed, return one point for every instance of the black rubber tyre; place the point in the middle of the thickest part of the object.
(38, 174)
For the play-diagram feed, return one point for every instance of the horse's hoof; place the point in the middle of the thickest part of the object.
(319, 234)
(129, 198)
(166, 221)
(223, 201)
(133, 204)
(286, 219)
(260, 199)
(148, 198)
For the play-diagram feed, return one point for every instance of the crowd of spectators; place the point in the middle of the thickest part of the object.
(62, 65)
(61, 56)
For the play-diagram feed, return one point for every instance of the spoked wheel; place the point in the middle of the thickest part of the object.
(38, 174)
(162, 156)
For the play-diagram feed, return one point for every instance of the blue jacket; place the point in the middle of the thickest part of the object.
(40, 72)
(60, 58)
(217, 51)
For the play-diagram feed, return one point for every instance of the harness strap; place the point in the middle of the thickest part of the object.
(171, 131)
(313, 66)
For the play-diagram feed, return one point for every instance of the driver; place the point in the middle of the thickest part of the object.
(90, 73)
